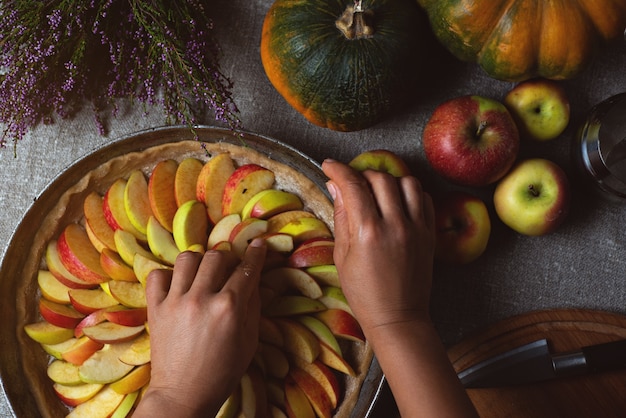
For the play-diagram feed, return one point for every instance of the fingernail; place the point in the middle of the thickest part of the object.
(329, 160)
(332, 189)
(257, 242)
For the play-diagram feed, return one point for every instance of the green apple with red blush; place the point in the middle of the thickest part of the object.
(471, 140)
(381, 160)
(534, 198)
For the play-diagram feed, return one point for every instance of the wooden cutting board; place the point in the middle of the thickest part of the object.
(599, 395)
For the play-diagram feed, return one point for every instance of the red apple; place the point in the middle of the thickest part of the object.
(534, 198)
(471, 140)
(462, 226)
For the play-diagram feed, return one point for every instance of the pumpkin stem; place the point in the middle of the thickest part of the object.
(356, 22)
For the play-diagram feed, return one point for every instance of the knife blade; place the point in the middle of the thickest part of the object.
(533, 362)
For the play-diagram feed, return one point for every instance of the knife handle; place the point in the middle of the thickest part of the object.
(606, 356)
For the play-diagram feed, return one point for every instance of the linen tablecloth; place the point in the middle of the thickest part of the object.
(582, 264)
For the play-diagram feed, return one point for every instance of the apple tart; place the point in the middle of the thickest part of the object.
(82, 296)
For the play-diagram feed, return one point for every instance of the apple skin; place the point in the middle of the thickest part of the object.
(381, 160)
(534, 198)
(462, 227)
(471, 140)
(540, 107)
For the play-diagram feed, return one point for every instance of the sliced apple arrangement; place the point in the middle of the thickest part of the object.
(93, 307)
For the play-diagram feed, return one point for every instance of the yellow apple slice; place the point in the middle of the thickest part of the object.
(115, 267)
(244, 232)
(111, 333)
(333, 360)
(186, 180)
(275, 360)
(76, 394)
(321, 331)
(142, 267)
(56, 267)
(44, 332)
(115, 209)
(289, 305)
(138, 352)
(57, 350)
(136, 201)
(161, 242)
(276, 412)
(190, 225)
(306, 228)
(51, 288)
(270, 202)
(269, 332)
(102, 405)
(211, 183)
(162, 192)
(79, 256)
(128, 294)
(246, 181)
(253, 394)
(298, 340)
(296, 402)
(104, 366)
(230, 407)
(313, 390)
(133, 381)
(281, 243)
(99, 229)
(277, 222)
(222, 229)
(325, 275)
(126, 405)
(334, 298)
(64, 373)
(87, 301)
(284, 278)
(128, 246)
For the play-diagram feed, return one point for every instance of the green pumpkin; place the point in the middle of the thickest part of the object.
(515, 40)
(342, 64)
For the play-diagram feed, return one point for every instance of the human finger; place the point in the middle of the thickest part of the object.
(157, 286)
(387, 194)
(414, 198)
(185, 269)
(213, 271)
(246, 276)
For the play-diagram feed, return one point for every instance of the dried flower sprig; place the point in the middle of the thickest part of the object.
(56, 56)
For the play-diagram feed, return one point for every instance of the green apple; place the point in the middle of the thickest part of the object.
(462, 226)
(540, 108)
(270, 202)
(533, 199)
(381, 160)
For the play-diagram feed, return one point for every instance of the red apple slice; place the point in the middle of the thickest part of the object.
(51, 288)
(111, 333)
(275, 360)
(137, 202)
(103, 404)
(56, 267)
(92, 319)
(162, 192)
(186, 180)
(63, 316)
(211, 183)
(297, 403)
(246, 181)
(129, 294)
(98, 227)
(283, 278)
(324, 376)
(79, 256)
(190, 225)
(313, 390)
(81, 350)
(127, 317)
(312, 256)
(342, 324)
(243, 233)
(87, 301)
(115, 209)
(115, 267)
(161, 242)
(57, 350)
(78, 394)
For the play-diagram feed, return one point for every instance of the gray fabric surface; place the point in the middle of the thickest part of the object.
(581, 265)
